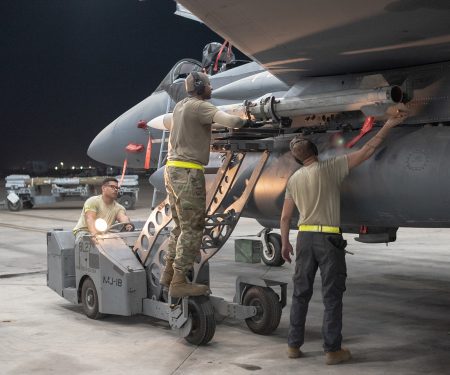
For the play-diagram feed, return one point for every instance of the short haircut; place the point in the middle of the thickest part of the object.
(189, 82)
(302, 148)
(109, 179)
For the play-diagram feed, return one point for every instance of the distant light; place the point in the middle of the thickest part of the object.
(62, 164)
(56, 168)
(73, 167)
(90, 167)
(81, 167)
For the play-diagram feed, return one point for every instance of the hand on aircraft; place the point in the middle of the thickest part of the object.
(395, 120)
(286, 252)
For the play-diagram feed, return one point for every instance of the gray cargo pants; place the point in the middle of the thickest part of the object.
(327, 252)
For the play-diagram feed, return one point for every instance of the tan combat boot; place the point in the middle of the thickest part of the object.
(333, 358)
(293, 352)
(166, 277)
(180, 288)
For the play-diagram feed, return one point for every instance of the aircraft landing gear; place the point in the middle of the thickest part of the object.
(271, 254)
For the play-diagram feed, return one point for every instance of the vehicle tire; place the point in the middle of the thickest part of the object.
(271, 254)
(268, 308)
(128, 201)
(27, 204)
(203, 328)
(89, 299)
(15, 206)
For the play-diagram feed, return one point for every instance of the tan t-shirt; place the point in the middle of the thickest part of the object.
(103, 211)
(315, 190)
(190, 135)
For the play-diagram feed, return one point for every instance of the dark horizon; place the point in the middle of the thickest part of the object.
(72, 67)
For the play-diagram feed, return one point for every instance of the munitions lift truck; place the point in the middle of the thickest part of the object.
(24, 191)
(120, 274)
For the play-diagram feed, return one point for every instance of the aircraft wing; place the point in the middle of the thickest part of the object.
(299, 38)
(183, 12)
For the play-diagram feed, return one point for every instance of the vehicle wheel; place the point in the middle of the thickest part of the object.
(89, 299)
(271, 254)
(268, 309)
(28, 204)
(203, 328)
(15, 206)
(128, 201)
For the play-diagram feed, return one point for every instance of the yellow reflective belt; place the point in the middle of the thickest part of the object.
(184, 164)
(319, 228)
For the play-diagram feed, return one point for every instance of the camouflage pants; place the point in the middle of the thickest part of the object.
(187, 196)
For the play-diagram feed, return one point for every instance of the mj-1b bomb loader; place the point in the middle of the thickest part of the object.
(119, 272)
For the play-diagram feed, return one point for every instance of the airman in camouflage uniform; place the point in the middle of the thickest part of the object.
(186, 189)
(190, 137)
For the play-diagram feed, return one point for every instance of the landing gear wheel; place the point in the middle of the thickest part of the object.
(89, 300)
(268, 309)
(201, 313)
(127, 201)
(271, 254)
(15, 206)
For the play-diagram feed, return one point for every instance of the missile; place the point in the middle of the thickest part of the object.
(162, 122)
(372, 102)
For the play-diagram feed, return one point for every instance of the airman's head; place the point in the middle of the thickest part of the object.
(110, 187)
(302, 149)
(198, 84)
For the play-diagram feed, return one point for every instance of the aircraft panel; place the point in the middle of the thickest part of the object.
(324, 37)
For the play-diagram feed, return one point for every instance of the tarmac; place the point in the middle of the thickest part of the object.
(396, 311)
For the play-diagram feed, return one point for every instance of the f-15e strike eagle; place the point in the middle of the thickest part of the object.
(322, 68)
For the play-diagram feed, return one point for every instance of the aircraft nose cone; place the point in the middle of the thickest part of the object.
(110, 145)
(103, 148)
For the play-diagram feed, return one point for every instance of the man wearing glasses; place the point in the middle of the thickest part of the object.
(102, 206)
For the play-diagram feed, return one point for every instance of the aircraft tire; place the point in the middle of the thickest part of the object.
(268, 308)
(271, 254)
(15, 206)
(89, 299)
(128, 201)
(203, 328)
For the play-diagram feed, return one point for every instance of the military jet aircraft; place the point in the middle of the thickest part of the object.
(329, 70)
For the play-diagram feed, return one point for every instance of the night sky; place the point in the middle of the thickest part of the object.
(69, 67)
